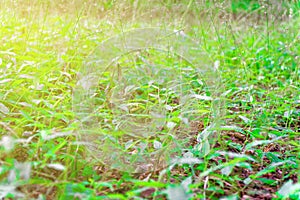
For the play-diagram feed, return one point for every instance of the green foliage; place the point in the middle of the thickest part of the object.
(246, 5)
(44, 44)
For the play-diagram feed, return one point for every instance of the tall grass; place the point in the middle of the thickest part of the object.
(254, 44)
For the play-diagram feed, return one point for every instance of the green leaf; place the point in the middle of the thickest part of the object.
(261, 142)
(288, 188)
(267, 181)
(231, 197)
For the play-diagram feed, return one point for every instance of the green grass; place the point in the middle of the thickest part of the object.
(46, 152)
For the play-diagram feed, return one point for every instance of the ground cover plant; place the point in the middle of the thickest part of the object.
(153, 112)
